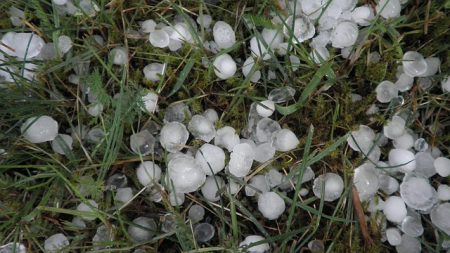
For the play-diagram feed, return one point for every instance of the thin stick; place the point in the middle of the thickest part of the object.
(361, 218)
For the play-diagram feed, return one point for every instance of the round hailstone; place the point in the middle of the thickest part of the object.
(388, 184)
(88, 208)
(414, 64)
(405, 141)
(265, 108)
(271, 205)
(389, 8)
(177, 112)
(186, 174)
(154, 71)
(299, 27)
(204, 232)
(119, 55)
(142, 229)
(226, 137)
(224, 35)
(173, 136)
(284, 140)
(150, 101)
(258, 184)
(424, 164)
(211, 115)
(412, 226)
(64, 44)
(272, 37)
(440, 217)
(59, 2)
(264, 152)
(442, 166)
(196, 213)
(433, 64)
(316, 246)
(211, 188)
(394, 128)
(148, 26)
(418, 193)
(409, 245)
(148, 173)
(176, 198)
(421, 145)
(143, 142)
(404, 82)
(211, 159)
(281, 95)
(394, 209)
(386, 91)
(24, 45)
(366, 181)
(344, 35)
(95, 109)
(224, 66)
(124, 194)
(39, 129)
(78, 222)
(331, 183)
(265, 129)
(251, 239)
(181, 33)
(363, 15)
(319, 54)
(443, 192)
(55, 243)
(362, 139)
(401, 159)
(259, 49)
(159, 38)
(247, 67)
(273, 178)
(204, 20)
(445, 84)
(241, 160)
(61, 143)
(393, 236)
(202, 128)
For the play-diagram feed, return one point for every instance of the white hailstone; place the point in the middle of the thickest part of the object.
(204, 232)
(362, 139)
(61, 143)
(273, 178)
(366, 181)
(247, 67)
(88, 208)
(150, 102)
(311, 8)
(119, 55)
(211, 115)
(143, 142)
(442, 166)
(386, 91)
(251, 239)
(388, 184)
(181, 33)
(394, 128)
(59, 2)
(389, 8)
(355, 97)
(210, 158)
(241, 160)
(303, 192)
(440, 217)
(319, 54)
(264, 152)
(418, 193)
(402, 159)
(196, 213)
(56, 242)
(435, 152)
(424, 165)
(332, 184)
(412, 226)
(224, 66)
(281, 95)
(344, 35)
(79, 132)
(202, 128)
(265, 108)
(294, 61)
(424, 83)
(186, 174)
(363, 15)
(24, 45)
(148, 173)
(226, 137)
(409, 244)
(445, 84)
(298, 29)
(284, 140)
(95, 109)
(421, 145)
(173, 136)
(204, 20)
(346, 52)
(393, 236)
(124, 194)
(154, 71)
(148, 26)
(265, 128)
(142, 229)
(211, 188)
(433, 64)
(259, 48)
(78, 222)
(159, 38)
(258, 184)
(39, 129)
(404, 82)
(224, 35)
(414, 64)
(372, 110)
(64, 44)
(175, 45)
(272, 37)
(271, 205)
(394, 209)
(176, 198)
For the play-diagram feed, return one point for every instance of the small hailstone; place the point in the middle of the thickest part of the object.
(142, 143)
(154, 71)
(442, 166)
(116, 181)
(124, 194)
(79, 132)
(202, 128)
(393, 236)
(389, 8)
(433, 64)
(142, 229)
(272, 37)
(316, 246)
(204, 20)
(247, 67)
(363, 15)
(281, 95)
(344, 35)
(265, 108)
(355, 97)
(443, 192)
(299, 27)
(211, 115)
(271, 205)
(181, 33)
(404, 82)
(211, 159)
(59, 2)
(412, 226)
(440, 217)
(173, 136)
(64, 44)
(424, 83)
(424, 164)
(177, 112)
(186, 174)
(224, 35)
(259, 49)
(258, 184)
(401, 159)
(196, 213)
(295, 62)
(224, 66)
(203, 232)
(148, 26)
(366, 181)
(95, 109)
(39, 129)
(414, 64)
(233, 187)
(445, 84)
(56, 242)
(421, 145)
(88, 208)
(159, 38)
(303, 192)
(320, 54)
(394, 128)
(394, 209)
(241, 160)
(265, 130)
(150, 102)
(95, 135)
(332, 184)
(273, 177)
(211, 188)
(148, 173)
(284, 140)
(226, 137)
(418, 193)
(264, 152)
(104, 234)
(388, 184)
(78, 222)
(61, 143)
(176, 198)
(386, 91)
(409, 244)
(119, 55)
(259, 248)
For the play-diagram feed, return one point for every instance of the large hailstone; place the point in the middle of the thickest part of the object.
(24, 45)
(361, 140)
(39, 129)
(211, 188)
(271, 205)
(299, 27)
(202, 128)
(260, 248)
(226, 137)
(418, 193)
(366, 181)
(224, 35)
(403, 160)
(173, 136)
(440, 217)
(186, 174)
(284, 140)
(394, 209)
(211, 159)
(241, 159)
(148, 173)
(386, 91)
(142, 229)
(62, 143)
(344, 35)
(389, 8)
(332, 184)
(224, 66)
(55, 243)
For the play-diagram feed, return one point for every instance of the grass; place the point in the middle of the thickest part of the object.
(39, 190)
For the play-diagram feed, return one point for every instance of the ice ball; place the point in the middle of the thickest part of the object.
(173, 136)
(394, 209)
(271, 205)
(332, 184)
(186, 174)
(148, 173)
(241, 160)
(39, 129)
(224, 66)
(211, 159)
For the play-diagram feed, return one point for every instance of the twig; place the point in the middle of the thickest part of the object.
(361, 218)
